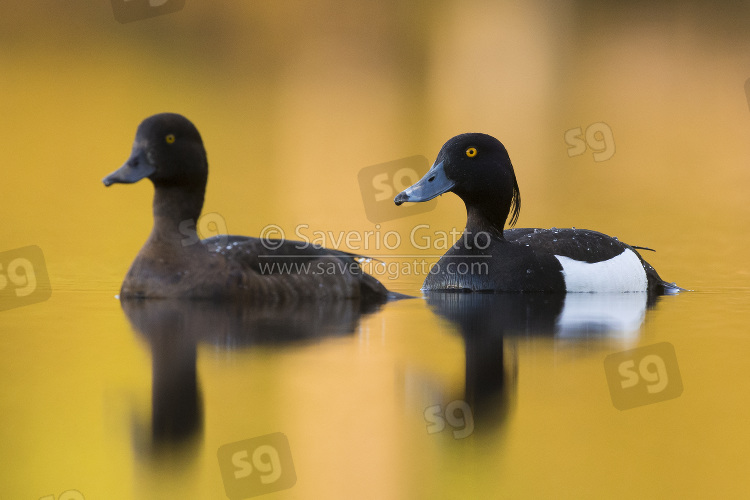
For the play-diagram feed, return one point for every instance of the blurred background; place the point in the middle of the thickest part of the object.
(630, 118)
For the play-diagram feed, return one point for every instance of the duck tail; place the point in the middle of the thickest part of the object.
(373, 291)
(672, 288)
(655, 283)
(398, 296)
(659, 286)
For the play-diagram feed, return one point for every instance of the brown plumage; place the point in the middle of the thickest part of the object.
(175, 263)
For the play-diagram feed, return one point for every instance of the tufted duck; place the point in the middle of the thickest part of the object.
(175, 263)
(477, 168)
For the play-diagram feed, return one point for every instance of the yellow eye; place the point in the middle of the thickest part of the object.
(471, 152)
(169, 138)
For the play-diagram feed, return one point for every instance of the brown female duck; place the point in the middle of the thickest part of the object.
(175, 263)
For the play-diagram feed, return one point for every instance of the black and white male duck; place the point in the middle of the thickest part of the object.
(487, 258)
(175, 263)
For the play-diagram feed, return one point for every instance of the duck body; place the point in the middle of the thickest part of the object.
(175, 263)
(489, 258)
(238, 267)
(544, 260)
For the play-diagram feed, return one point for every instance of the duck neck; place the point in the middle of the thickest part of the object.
(488, 219)
(176, 212)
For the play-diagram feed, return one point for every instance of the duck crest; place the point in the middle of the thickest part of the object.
(515, 204)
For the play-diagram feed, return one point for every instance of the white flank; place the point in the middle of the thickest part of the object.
(623, 273)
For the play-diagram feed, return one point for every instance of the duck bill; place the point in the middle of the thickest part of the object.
(136, 168)
(433, 184)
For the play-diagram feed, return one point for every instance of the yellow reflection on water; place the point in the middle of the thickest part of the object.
(292, 102)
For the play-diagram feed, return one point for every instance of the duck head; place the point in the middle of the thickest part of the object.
(477, 168)
(169, 151)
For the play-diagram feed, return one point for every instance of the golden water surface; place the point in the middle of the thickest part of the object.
(431, 397)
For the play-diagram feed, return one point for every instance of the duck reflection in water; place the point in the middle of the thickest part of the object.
(487, 322)
(173, 329)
